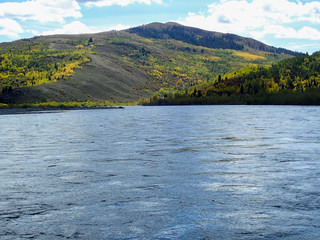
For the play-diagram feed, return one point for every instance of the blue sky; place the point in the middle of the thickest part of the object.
(292, 24)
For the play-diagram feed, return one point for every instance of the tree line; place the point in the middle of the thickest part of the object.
(289, 81)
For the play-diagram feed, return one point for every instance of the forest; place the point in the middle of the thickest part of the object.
(291, 81)
(35, 63)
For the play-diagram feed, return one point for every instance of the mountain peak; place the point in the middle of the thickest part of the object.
(159, 25)
(173, 24)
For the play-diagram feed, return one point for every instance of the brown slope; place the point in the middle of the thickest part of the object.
(106, 77)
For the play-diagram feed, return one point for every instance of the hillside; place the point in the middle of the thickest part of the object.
(291, 81)
(124, 65)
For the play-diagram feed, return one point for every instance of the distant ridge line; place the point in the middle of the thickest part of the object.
(205, 38)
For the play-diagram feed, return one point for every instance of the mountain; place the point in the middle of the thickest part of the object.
(124, 65)
(292, 81)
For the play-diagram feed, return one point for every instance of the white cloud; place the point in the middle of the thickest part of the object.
(312, 47)
(104, 3)
(71, 28)
(288, 32)
(118, 27)
(10, 28)
(258, 18)
(308, 33)
(41, 10)
(78, 27)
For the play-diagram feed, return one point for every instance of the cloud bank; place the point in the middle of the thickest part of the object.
(10, 28)
(260, 18)
(14, 14)
(77, 27)
(104, 3)
(41, 10)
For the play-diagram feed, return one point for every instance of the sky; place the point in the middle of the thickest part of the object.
(291, 24)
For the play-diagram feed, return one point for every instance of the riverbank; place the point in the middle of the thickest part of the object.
(18, 109)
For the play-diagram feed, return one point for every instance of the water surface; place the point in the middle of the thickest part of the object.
(187, 172)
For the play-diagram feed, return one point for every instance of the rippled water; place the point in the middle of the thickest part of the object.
(189, 172)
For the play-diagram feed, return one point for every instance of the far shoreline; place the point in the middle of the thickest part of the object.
(39, 109)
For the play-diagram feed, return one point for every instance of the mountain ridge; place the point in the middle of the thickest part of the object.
(204, 38)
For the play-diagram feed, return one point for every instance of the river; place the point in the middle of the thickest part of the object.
(180, 172)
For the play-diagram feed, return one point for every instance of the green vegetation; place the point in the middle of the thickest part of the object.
(174, 65)
(291, 81)
(80, 42)
(29, 64)
(168, 60)
(72, 104)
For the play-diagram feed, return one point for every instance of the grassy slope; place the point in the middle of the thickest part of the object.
(120, 66)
